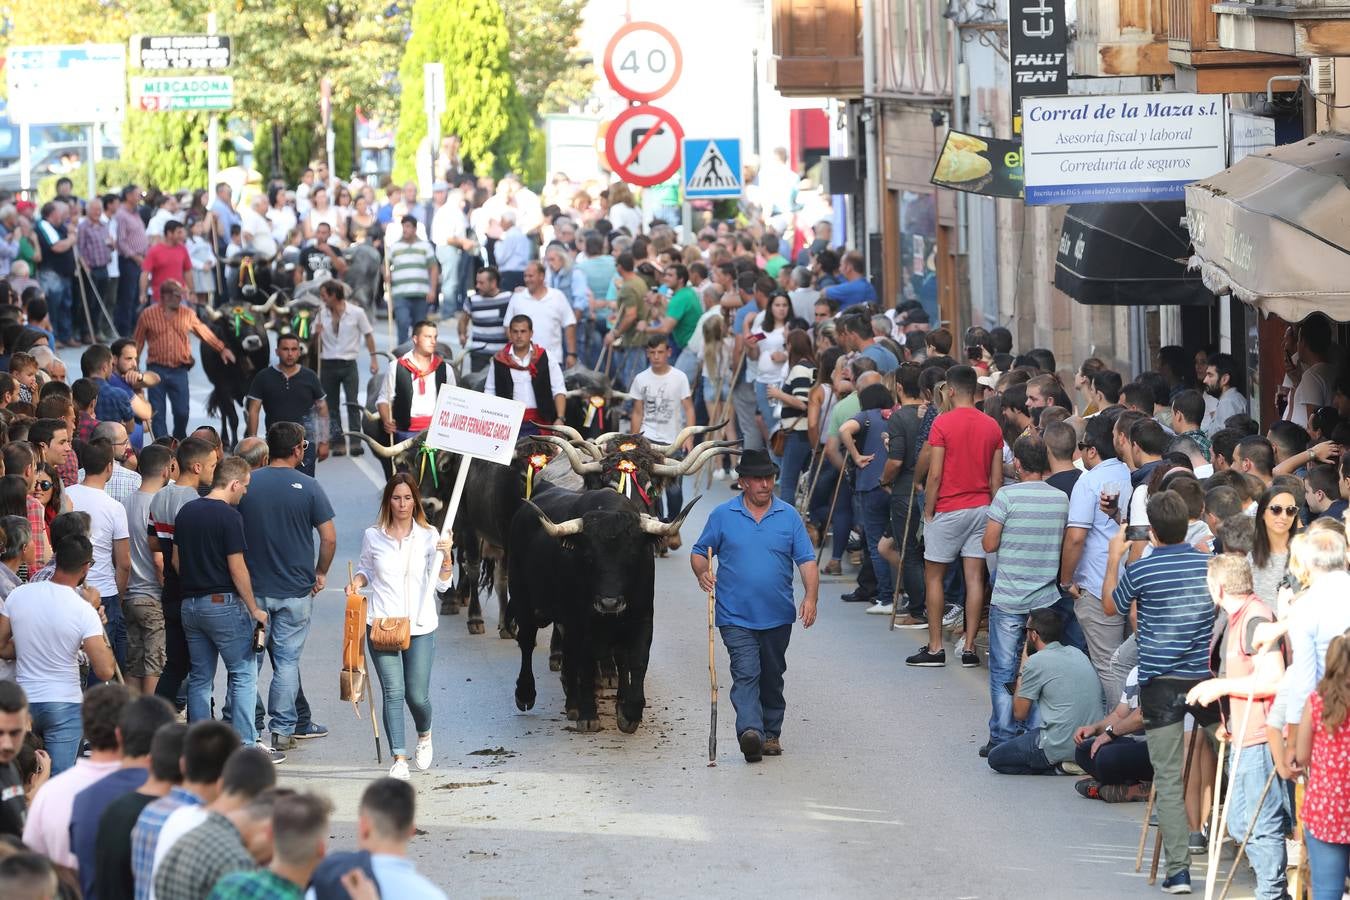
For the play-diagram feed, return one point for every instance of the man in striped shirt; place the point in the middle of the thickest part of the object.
(1175, 624)
(487, 311)
(166, 328)
(410, 275)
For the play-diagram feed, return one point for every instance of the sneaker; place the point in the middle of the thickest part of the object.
(736, 485)
(399, 770)
(910, 622)
(832, 568)
(1179, 883)
(881, 609)
(969, 659)
(339, 448)
(1089, 788)
(953, 616)
(858, 597)
(1198, 843)
(1126, 793)
(752, 745)
(276, 756)
(422, 755)
(1071, 768)
(284, 742)
(927, 658)
(984, 751)
(310, 730)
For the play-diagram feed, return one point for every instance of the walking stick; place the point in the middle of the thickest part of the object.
(819, 464)
(900, 572)
(716, 417)
(1143, 832)
(1251, 826)
(1216, 820)
(712, 675)
(825, 526)
(80, 277)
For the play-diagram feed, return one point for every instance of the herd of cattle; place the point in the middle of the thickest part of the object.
(565, 536)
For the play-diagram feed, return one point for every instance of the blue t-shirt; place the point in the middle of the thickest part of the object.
(138, 433)
(885, 359)
(113, 404)
(754, 562)
(281, 510)
(851, 293)
(90, 805)
(871, 439)
(1085, 512)
(1176, 611)
(206, 532)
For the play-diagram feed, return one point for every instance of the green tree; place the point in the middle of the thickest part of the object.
(483, 107)
(551, 72)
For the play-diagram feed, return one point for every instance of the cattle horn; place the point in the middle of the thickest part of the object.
(387, 355)
(575, 392)
(267, 307)
(653, 525)
(384, 450)
(575, 437)
(695, 460)
(580, 466)
(685, 435)
(212, 314)
(556, 529)
(365, 413)
(621, 396)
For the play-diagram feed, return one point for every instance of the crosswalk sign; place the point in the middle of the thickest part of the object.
(712, 168)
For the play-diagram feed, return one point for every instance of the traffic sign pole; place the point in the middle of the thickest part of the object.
(212, 129)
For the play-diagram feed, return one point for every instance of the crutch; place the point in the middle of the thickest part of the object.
(1251, 826)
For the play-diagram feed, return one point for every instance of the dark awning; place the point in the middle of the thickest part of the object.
(1128, 254)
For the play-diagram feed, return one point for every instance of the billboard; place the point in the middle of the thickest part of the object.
(980, 165)
(66, 85)
(1038, 51)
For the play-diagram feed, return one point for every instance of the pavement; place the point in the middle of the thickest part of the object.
(879, 791)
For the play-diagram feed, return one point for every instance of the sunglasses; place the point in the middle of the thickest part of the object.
(43, 485)
(1282, 510)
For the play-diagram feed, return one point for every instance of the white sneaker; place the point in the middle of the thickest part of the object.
(953, 615)
(422, 756)
(720, 474)
(880, 609)
(399, 770)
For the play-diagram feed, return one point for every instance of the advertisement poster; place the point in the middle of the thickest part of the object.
(980, 165)
(1038, 50)
(1120, 149)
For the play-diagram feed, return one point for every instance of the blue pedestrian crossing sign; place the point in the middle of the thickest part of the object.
(712, 168)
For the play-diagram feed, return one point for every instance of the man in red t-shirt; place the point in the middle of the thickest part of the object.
(965, 468)
(167, 261)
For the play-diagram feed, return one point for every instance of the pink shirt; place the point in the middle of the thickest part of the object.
(48, 828)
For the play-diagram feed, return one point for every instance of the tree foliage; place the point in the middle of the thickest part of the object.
(551, 73)
(483, 107)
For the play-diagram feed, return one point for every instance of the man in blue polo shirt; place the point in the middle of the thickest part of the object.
(757, 538)
(855, 288)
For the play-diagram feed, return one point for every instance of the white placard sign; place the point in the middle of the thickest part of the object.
(1121, 148)
(475, 424)
(66, 84)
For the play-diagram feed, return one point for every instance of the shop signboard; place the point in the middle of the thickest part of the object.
(1038, 50)
(175, 93)
(1249, 134)
(980, 165)
(159, 52)
(1121, 148)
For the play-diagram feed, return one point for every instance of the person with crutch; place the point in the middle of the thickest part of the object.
(1257, 814)
(757, 539)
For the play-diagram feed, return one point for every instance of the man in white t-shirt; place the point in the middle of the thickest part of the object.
(1317, 381)
(662, 406)
(550, 312)
(257, 230)
(108, 532)
(49, 624)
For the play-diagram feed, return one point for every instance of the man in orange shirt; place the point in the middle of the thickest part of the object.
(167, 328)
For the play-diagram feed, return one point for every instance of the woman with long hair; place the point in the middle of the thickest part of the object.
(47, 489)
(322, 211)
(768, 348)
(396, 558)
(795, 395)
(1082, 382)
(1323, 751)
(1276, 522)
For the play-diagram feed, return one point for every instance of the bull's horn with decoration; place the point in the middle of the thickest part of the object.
(563, 529)
(575, 437)
(582, 467)
(264, 308)
(388, 451)
(685, 435)
(696, 460)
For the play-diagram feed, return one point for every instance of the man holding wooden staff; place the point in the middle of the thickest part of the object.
(757, 538)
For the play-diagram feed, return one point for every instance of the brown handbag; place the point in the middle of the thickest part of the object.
(778, 441)
(392, 633)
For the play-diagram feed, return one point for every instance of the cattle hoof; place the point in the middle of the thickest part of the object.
(627, 725)
(524, 701)
(588, 726)
(449, 607)
(555, 663)
(475, 627)
(507, 633)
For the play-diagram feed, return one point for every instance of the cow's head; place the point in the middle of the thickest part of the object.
(591, 397)
(610, 542)
(242, 326)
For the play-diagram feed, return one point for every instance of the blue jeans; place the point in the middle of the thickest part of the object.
(173, 385)
(1020, 756)
(688, 362)
(628, 362)
(1328, 866)
(60, 727)
(287, 627)
(1007, 634)
(59, 300)
(1073, 632)
(218, 625)
(405, 675)
(796, 461)
(875, 506)
(1122, 761)
(766, 412)
(1265, 847)
(128, 287)
(116, 628)
(408, 310)
(758, 661)
(906, 514)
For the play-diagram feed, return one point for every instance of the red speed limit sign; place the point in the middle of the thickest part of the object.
(643, 61)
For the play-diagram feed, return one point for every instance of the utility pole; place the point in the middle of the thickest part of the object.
(212, 128)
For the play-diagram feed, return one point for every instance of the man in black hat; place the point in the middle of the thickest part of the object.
(757, 538)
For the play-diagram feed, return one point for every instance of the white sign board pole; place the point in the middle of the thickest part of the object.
(475, 426)
(433, 97)
(212, 131)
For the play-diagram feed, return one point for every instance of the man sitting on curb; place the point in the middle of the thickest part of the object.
(1117, 765)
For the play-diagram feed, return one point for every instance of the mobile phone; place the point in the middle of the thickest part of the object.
(259, 638)
(756, 338)
(1136, 532)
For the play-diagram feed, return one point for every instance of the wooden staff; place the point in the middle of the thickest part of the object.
(722, 404)
(712, 674)
(900, 572)
(1216, 821)
(829, 516)
(370, 691)
(819, 464)
(1143, 832)
(1251, 826)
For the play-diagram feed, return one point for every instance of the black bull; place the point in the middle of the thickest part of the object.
(243, 330)
(583, 562)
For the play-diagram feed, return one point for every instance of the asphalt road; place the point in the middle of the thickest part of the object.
(879, 791)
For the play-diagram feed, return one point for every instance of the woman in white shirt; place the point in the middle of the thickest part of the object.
(397, 553)
(770, 355)
(322, 211)
(622, 212)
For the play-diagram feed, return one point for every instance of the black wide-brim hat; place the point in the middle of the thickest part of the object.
(756, 464)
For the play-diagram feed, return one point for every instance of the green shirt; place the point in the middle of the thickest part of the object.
(774, 264)
(844, 410)
(261, 884)
(686, 310)
(1066, 690)
(632, 294)
(1033, 515)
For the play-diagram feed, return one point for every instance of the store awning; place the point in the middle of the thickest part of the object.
(1127, 254)
(1274, 229)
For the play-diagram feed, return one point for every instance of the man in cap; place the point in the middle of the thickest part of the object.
(757, 538)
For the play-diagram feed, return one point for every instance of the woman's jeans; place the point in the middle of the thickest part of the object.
(796, 461)
(1328, 865)
(60, 727)
(842, 521)
(405, 674)
(766, 412)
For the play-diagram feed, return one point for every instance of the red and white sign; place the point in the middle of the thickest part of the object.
(475, 424)
(643, 144)
(643, 61)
